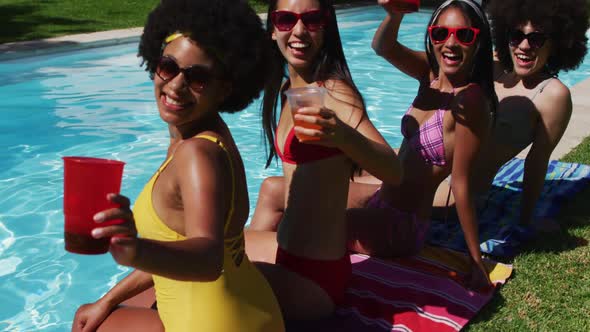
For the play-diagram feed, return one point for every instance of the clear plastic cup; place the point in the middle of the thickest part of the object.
(87, 181)
(305, 97)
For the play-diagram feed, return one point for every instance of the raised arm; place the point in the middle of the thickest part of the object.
(202, 169)
(555, 109)
(471, 128)
(385, 43)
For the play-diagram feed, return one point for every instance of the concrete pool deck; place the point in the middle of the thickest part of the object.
(578, 128)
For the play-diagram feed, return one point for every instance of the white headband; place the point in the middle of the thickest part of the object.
(471, 3)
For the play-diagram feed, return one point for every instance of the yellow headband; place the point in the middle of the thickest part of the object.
(173, 37)
(178, 34)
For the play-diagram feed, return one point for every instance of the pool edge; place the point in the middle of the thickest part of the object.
(68, 43)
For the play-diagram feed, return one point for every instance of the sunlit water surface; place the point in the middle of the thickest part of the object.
(99, 102)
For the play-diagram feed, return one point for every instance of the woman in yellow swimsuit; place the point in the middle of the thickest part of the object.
(204, 59)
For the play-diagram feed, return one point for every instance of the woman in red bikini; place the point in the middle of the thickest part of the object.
(443, 130)
(312, 265)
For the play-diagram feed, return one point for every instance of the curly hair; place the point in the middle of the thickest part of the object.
(565, 21)
(229, 31)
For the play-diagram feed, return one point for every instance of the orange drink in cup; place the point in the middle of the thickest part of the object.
(87, 181)
(305, 97)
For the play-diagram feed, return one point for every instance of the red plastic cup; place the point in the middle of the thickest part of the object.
(87, 181)
(405, 6)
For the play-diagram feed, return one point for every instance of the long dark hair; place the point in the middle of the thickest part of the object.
(330, 64)
(482, 68)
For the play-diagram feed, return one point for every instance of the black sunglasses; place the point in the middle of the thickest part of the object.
(285, 20)
(536, 39)
(195, 76)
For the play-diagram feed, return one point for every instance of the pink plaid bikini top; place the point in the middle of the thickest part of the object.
(428, 140)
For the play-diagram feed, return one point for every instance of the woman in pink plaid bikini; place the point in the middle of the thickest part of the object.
(443, 129)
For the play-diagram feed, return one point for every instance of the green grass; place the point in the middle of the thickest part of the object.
(22, 20)
(580, 154)
(27, 20)
(550, 288)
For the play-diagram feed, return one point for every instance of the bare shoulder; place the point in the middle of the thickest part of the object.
(344, 101)
(340, 92)
(200, 149)
(471, 99)
(555, 99)
(471, 90)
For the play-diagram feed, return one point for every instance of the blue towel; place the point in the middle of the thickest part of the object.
(500, 209)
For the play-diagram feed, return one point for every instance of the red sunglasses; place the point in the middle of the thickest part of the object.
(195, 76)
(465, 35)
(285, 20)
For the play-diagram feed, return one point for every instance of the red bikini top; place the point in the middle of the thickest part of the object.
(295, 152)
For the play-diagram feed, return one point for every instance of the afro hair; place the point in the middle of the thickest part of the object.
(228, 30)
(565, 21)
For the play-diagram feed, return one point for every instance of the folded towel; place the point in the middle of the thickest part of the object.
(498, 215)
(420, 293)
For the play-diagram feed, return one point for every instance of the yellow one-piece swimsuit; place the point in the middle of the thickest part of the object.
(239, 300)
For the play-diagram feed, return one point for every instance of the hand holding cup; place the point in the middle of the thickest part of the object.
(123, 236)
(322, 125)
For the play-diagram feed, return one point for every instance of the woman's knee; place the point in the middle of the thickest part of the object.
(272, 188)
(270, 205)
(375, 232)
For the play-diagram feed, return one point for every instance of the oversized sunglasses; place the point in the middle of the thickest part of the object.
(536, 39)
(464, 35)
(195, 76)
(285, 20)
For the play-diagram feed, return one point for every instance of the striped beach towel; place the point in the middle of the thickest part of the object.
(420, 293)
(498, 215)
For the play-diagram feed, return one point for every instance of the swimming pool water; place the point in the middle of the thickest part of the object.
(99, 102)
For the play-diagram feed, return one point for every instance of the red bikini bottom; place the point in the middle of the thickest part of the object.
(331, 275)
